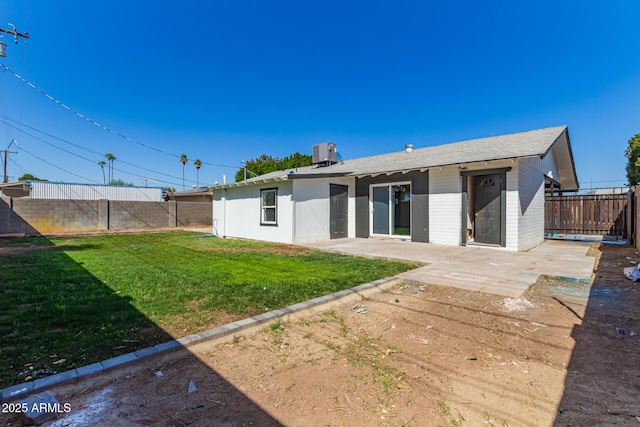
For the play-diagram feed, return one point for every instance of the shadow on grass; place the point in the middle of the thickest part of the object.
(55, 316)
(603, 376)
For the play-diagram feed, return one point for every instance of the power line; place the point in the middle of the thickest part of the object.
(101, 126)
(16, 164)
(4, 119)
(611, 180)
(76, 155)
(58, 167)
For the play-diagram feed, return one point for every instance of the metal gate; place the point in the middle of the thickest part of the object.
(606, 215)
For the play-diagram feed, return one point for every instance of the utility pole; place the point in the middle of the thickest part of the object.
(3, 53)
(15, 35)
(4, 157)
(6, 152)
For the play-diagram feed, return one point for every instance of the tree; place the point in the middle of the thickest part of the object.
(198, 165)
(120, 183)
(633, 160)
(167, 194)
(110, 158)
(183, 160)
(101, 163)
(29, 177)
(265, 164)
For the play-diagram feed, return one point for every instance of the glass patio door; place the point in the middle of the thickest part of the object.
(381, 210)
(391, 209)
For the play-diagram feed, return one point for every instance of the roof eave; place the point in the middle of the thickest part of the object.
(247, 183)
(443, 165)
(565, 133)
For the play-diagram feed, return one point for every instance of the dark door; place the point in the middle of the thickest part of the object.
(339, 211)
(487, 209)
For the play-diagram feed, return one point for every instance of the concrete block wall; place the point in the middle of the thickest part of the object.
(42, 216)
(126, 215)
(194, 214)
(38, 216)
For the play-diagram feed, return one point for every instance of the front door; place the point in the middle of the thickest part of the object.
(487, 209)
(339, 210)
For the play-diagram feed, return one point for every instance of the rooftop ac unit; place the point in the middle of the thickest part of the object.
(324, 154)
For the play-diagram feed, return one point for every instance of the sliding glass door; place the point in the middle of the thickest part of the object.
(380, 210)
(391, 209)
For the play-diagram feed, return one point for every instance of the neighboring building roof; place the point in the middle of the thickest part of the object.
(535, 143)
(193, 196)
(608, 191)
(15, 189)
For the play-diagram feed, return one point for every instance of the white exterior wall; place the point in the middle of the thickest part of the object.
(63, 191)
(219, 212)
(237, 211)
(445, 205)
(312, 207)
(351, 232)
(531, 199)
(512, 206)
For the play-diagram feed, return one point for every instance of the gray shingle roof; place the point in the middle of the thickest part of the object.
(511, 146)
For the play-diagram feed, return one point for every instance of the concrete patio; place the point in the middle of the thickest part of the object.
(476, 268)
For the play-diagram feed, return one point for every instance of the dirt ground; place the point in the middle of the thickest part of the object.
(564, 354)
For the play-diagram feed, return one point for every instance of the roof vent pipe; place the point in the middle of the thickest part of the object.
(408, 148)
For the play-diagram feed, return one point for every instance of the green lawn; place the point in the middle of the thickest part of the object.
(69, 302)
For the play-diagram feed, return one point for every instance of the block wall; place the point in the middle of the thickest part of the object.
(41, 216)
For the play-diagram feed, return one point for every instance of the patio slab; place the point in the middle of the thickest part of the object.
(492, 270)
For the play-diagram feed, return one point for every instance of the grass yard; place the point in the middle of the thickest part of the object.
(69, 302)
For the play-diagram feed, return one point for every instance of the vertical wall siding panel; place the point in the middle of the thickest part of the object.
(64, 191)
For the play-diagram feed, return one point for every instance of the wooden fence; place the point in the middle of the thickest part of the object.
(606, 215)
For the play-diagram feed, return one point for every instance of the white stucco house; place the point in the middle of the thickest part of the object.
(487, 191)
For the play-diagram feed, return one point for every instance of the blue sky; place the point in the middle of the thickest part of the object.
(224, 81)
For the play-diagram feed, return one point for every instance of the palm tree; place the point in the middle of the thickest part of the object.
(101, 163)
(198, 165)
(169, 193)
(183, 160)
(110, 158)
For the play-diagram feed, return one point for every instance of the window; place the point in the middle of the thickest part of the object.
(269, 208)
(487, 182)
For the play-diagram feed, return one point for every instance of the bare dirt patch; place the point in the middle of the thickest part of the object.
(180, 325)
(416, 354)
(17, 249)
(278, 250)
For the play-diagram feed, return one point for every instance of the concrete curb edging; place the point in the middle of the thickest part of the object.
(75, 375)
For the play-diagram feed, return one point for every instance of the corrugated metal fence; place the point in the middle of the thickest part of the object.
(606, 215)
(65, 191)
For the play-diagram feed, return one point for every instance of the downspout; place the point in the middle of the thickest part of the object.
(293, 217)
(214, 220)
(224, 212)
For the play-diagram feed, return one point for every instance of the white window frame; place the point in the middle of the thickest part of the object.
(391, 216)
(263, 208)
